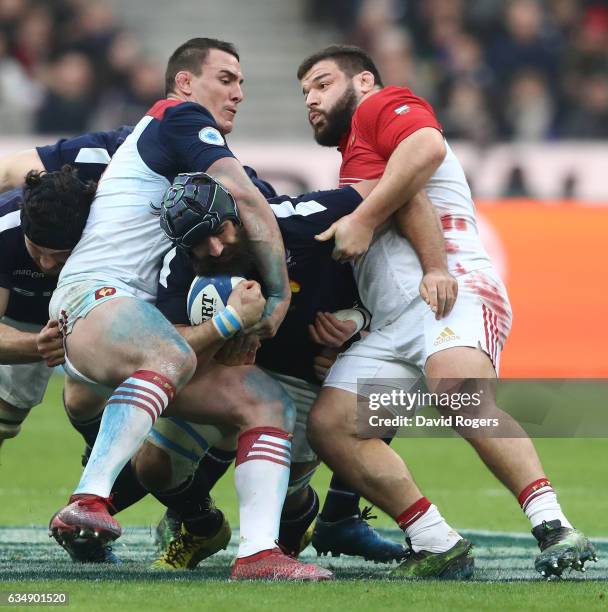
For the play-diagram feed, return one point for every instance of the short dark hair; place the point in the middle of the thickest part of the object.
(191, 56)
(55, 207)
(350, 59)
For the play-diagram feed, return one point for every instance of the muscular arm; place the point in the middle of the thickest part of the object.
(410, 166)
(15, 346)
(13, 168)
(265, 238)
(419, 223)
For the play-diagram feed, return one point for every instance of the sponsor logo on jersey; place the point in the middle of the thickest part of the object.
(447, 335)
(30, 273)
(104, 292)
(211, 136)
(402, 110)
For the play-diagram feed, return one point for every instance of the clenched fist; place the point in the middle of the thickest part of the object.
(50, 344)
(247, 299)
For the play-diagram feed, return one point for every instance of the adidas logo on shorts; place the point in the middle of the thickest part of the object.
(445, 336)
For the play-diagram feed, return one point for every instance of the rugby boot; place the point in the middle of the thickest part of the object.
(92, 551)
(168, 528)
(187, 550)
(457, 563)
(561, 548)
(354, 536)
(274, 565)
(84, 519)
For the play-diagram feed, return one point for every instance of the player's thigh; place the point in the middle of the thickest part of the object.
(239, 396)
(460, 362)
(122, 335)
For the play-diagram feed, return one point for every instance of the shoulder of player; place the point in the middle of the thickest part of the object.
(180, 265)
(391, 99)
(169, 110)
(11, 239)
(10, 210)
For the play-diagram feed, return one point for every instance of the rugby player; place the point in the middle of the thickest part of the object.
(90, 154)
(29, 270)
(39, 226)
(319, 284)
(115, 338)
(22, 386)
(388, 133)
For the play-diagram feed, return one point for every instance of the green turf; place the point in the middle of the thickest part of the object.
(39, 469)
(352, 596)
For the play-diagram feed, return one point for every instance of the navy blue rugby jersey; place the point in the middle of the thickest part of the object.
(90, 153)
(30, 288)
(318, 283)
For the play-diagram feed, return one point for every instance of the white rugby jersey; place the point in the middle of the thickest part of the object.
(122, 243)
(389, 274)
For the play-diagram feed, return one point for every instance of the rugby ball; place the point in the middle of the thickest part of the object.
(209, 295)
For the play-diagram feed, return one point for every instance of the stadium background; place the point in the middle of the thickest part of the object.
(521, 88)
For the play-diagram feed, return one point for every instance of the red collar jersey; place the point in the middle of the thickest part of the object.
(379, 124)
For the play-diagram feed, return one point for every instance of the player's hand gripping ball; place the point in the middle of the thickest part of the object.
(235, 304)
(209, 295)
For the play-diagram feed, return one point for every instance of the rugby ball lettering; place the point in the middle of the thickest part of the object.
(209, 295)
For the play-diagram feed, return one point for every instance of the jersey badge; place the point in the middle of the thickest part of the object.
(402, 110)
(104, 292)
(211, 136)
(295, 286)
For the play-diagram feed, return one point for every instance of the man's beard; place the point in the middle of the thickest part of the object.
(337, 120)
(235, 260)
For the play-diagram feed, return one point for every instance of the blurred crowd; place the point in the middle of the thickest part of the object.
(68, 66)
(519, 70)
(495, 70)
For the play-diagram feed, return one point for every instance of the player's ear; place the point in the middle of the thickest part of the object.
(182, 82)
(365, 81)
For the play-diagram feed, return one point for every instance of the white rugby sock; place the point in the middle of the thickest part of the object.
(539, 503)
(426, 528)
(261, 476)
(128, 416)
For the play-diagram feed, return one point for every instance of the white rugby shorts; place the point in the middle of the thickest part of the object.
(481, 318)
(23, 385)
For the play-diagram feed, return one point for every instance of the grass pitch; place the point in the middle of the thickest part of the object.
(39, 469)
